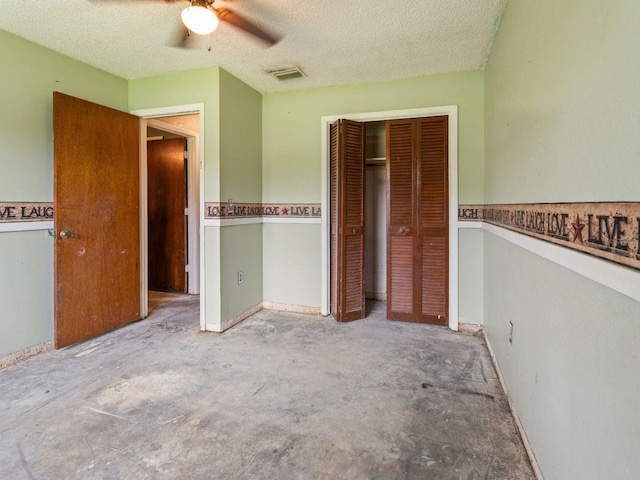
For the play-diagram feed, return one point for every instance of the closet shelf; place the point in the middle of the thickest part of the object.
(376, 160)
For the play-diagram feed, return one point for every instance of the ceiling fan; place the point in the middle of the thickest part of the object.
(202, 18)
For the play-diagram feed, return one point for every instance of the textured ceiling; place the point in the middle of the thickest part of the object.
(334, 42)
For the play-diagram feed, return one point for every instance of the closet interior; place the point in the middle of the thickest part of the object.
(376, 211)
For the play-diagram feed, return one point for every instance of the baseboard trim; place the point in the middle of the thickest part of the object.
(471, 328)
(285, 307)
(12, 359)
(523, 434)
(227, 324)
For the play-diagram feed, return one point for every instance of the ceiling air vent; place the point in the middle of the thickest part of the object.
(287, 73)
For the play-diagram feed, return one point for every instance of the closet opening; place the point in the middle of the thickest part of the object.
(389, 218)
(329, 226)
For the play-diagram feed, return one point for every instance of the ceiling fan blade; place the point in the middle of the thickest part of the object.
(242, 23)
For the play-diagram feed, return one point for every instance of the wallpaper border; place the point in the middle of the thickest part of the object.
(607, 230)
(11, 212)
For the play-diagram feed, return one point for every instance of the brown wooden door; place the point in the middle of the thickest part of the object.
(417, 220)
(347, 143)
(96, 200)
(167, 199)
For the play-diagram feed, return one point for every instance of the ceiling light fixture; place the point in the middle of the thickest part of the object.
(198, 18)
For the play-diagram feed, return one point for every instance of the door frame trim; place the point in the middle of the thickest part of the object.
(195, 198)
(451, 111)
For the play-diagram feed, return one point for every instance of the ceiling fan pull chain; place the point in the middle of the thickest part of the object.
(209, 42)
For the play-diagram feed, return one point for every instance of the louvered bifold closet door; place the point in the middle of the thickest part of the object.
(401, 181)
(433, 225)
(347, 220)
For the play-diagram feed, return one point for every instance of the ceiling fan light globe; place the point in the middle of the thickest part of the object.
(199, 20)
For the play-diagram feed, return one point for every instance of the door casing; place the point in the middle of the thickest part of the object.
(193, 182)
(451, 111)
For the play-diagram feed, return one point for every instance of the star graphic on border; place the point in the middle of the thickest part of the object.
(285, 211)
(577, 229)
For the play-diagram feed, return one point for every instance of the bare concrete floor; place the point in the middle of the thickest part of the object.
(280, 396)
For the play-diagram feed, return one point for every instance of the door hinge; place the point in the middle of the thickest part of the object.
(186, 154)
(186, 211)
(187, 269)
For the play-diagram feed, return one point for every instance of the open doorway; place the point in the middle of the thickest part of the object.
(172, 209)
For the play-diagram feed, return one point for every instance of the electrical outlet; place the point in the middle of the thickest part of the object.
(511, 333)
(240, 277)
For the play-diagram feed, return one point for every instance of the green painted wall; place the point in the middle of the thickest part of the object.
(240, 140)
(26, 290)
(562, 123)
(291, 172)
(572, 369)
(192, 87)
(241, 180)
(242, 252)
(291, 129)
(213, 299)
(291, 264)
(470, 276)
(562, 103)
(30, 74)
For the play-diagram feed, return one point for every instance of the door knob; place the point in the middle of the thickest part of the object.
(68, 234)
